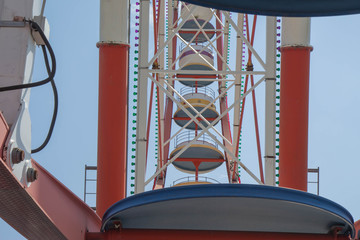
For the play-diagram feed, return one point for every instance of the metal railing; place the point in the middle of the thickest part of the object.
(193, 179)
(200, 47)
(317, 181)
(197, 88)
(89, 168)
(189, 135)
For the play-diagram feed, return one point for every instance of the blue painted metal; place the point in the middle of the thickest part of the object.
(287, 8)
(237, 191)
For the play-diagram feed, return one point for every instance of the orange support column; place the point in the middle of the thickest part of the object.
(294, 103)
(113, 103)
(112, 126)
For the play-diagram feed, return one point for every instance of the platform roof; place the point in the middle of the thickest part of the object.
(287, 8)
(229, 207)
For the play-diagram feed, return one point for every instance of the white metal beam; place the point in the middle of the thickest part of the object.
(110, 18)
(161, 104)
(251, 48)
(193, 118)
(198, 114)
(270, 95)
(171, 34)
(205, 129)
(239, 58)
(140, 160)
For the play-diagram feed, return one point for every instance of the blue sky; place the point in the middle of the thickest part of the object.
(334, 130)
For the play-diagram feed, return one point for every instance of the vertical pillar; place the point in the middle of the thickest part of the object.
(237, 107)
(294, 102)
(113, 91)
(270, 101)
(140, 161)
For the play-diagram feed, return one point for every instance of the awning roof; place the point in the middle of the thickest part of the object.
(288, 8)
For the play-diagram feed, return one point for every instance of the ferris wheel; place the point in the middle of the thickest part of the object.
(200, 68)
(194, 69)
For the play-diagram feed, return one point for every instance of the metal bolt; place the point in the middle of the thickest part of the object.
(31, 174)
(17, 155)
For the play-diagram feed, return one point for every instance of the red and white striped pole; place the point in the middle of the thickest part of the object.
(294, 103)
(113, 98)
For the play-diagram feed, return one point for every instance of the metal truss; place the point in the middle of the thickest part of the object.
(166, 78)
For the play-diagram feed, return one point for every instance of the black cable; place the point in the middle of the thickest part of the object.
(36, 27)
(50, 78)
(56, 104)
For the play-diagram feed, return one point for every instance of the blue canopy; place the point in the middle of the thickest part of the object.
(286, 8)
(229, 207)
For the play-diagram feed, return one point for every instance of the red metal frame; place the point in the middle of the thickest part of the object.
(149, 118)
(162, 158)
(112, 125)
(357, 229)
(249, 66)
(67, 211)
(46, 209)
(225, 122)
(294, 110)
(4, 131)
(160, 181)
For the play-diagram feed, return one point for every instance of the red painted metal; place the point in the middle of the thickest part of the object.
(4, 131)
(225, 122)
(140, 234)
(112, 125)
(249, 68)
(160, 181)
(156, 23)
(68, 212)
(22, 212)
(45, 210)
(196, 164)
(156, 76)
(257, 131)
(162, 161)
(253, 97)
(357, 229)
(149, 118)
(294, 110)
(174, 40)
(241, 120)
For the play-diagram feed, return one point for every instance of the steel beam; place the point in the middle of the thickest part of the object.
(270, 97)
(140, 160)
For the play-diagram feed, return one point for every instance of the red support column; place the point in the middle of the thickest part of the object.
(294, 103)
(357, 229)
(113, 103)
(112, 125)
(294, 108)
